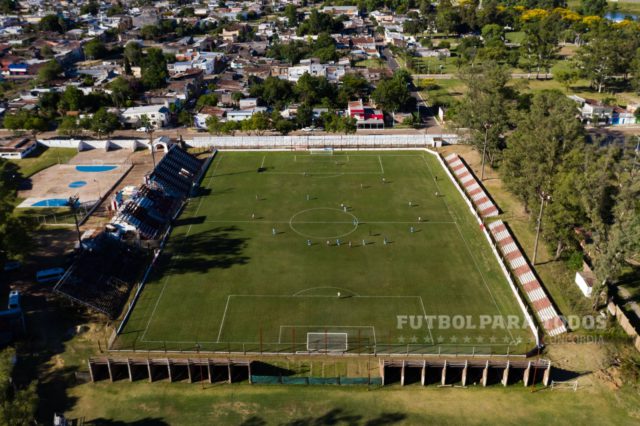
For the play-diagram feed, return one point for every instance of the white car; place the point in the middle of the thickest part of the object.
(142, 129)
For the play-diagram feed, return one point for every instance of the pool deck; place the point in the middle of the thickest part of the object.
(54, 183)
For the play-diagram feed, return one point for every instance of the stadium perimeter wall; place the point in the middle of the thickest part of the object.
(333, 141)
(505, 271)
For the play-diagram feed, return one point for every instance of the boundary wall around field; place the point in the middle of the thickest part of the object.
(324, 141)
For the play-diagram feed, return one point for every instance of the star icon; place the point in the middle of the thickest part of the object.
(493, 339)
(414, 339)
(401, 339)
(453, 339)
(440, 339)
(427, 339)
(506, 339)
(467, 339)
(480, 339)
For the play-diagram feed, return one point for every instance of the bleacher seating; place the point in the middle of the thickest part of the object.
(538, 299)
(480, 199)
(149, 211)
(177, 172)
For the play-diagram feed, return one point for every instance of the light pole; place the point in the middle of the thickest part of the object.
(484, 148)
(149, 131)
(543, 197)
(73, 201)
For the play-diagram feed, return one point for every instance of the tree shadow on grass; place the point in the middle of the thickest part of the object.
(220, 247)
(336, 416)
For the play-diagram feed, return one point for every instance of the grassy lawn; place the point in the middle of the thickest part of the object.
(184, 404)
(625, 7)
(256, 262)
(371, 63)
(445, 92)
(515, 36)
(42, 158)
(434, 66)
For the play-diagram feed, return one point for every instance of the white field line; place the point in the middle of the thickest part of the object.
(380, 161)
(263, 158)
(360, 222)
(224, 315)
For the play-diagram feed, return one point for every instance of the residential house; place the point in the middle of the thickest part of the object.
(158, 115)
(200, 119)
(622, 116)
(366, 117)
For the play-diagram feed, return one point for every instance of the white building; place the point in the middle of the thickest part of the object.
(306, 66)
(158, 115)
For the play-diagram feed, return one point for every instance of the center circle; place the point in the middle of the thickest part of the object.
(323, 223)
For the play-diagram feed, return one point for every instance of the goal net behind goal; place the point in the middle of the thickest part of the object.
(327, 342)
(321, 151)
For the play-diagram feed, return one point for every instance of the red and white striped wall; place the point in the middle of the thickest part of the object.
(536, 294)
(483, 203)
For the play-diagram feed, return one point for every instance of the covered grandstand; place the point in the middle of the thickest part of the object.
(102, 277)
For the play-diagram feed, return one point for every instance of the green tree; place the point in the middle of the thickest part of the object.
(91, 8)
(214, 125)
(104, 122)
(69, 126)
(274, 92)
(8, 6)
(545, 134)
(49, 72)
(154, 69)
(209, 99)
(485, 107)
(597, 59)
(291, 13)
(72, 99)
(121, 91)
(133, 53)
(53, 23)
(95, 49)
(392, 94)
(18, 405)
(566, 77)
(540, 43)
(594, 7)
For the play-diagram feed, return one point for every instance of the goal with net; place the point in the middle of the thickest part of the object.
(321, 151)
(327, 342)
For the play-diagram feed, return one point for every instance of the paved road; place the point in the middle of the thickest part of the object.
(426, 112)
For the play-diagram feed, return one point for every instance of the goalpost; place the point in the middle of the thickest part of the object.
(321, 151)
(327, 342)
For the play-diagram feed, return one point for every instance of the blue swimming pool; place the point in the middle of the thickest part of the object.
(52, 202)
(95, 169)
(77, 184)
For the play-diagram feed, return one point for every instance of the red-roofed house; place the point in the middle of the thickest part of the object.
(366, 117)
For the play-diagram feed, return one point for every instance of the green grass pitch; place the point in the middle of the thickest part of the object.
(257, 260)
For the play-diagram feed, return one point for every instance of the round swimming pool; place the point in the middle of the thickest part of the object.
(95, 169)
(77, 184)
